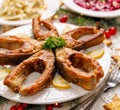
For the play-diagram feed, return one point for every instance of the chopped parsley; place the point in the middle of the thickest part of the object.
(54, 42)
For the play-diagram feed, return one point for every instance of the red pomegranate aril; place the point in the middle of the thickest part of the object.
(107, 34)
(80, 3)
(118, 1)
(112, 8)
(116, 5)
(108, 5)
(92, 2)
(94, 8)
(14, 107)
(57, 105)
(20, 107)
(49, 107)
(88, 6)
(25, 105)
(64, 19)
(112, 30)
(100, 6)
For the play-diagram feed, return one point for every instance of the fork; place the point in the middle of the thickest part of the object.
(95, 96)
(112, 80)
(86, 100)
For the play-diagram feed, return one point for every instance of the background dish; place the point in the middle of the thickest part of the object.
(50, 11)
(51, 94)
(99, 14)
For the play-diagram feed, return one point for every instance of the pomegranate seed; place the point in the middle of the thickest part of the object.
(88, 6)
(113, 30)
(80, 3)
(25, 105)
(64, 19)
(107, 34)
(49, 107)
(100, 6)
(57, 105)
(115, 4)
(20, 107)
(14, 107)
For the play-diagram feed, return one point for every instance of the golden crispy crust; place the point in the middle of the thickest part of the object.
(39, 32)
(14, 49)
(83, 37)
(114, 104)
(116, 58)
(79, 68)
(107, 42)
(42, 62)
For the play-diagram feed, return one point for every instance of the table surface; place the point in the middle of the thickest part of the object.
(65, 106)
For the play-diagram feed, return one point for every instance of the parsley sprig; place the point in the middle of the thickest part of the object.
(54, 42)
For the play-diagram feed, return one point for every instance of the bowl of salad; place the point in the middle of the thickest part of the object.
(95, 8)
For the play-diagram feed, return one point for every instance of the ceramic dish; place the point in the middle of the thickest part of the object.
(50, 11)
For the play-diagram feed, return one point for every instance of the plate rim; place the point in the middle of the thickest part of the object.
(99, 14)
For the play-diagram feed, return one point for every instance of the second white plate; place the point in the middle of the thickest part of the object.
(50, 11)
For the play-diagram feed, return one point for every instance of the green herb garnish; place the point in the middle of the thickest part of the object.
(54, 42)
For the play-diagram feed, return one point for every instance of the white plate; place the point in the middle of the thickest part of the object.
(50, 11)
(99, 14)
(51, 95)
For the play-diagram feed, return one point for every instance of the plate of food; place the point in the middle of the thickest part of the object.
(95, 8)
(47, 89)
(21, 12)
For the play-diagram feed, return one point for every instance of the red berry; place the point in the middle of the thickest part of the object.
(107, 34)
(49, 107)
(58, 105)
(113, 30)
(14, 107)
(20, 107)
(64, 19)
(25, 105)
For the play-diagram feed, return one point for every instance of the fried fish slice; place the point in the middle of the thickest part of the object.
(42, 29)
(42, 62)
(79, 68)
(83, 37)
(14, 49)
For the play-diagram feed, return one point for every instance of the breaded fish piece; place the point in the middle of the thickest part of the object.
(79, 68)
(83, 37)
(41, 62)
(13, 49)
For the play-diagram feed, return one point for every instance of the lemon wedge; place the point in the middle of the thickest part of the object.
(66, 29)
(96, 53)
(4, 72)
(59, 82)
